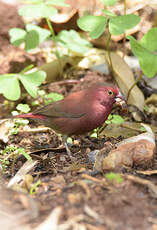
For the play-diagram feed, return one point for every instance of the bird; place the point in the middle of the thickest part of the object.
(79, 112)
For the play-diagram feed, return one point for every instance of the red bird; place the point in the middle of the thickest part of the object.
(79, 112)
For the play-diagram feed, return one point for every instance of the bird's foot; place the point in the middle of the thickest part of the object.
(69, 154)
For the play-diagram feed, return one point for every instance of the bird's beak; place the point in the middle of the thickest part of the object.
(120, 101)
(120, 97)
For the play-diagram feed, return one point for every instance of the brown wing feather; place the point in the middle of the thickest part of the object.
(54, 110)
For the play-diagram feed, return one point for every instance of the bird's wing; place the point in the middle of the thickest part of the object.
(54, 110)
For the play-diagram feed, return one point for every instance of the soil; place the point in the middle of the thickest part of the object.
(91, 201)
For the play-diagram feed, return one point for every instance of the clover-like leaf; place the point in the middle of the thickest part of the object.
(36, 11)
(35, 35)
(31, 81)
(114, 177)
(72, 40)
(94, 24)
(109, 13)
(17, 36)
(54, 97)
(149, 40)
(32, 1)
(57, 2)
(119, 24)
(43, 34)
(117, 119)
(9, 86)
(114, 119)
(23, 108)
(31, 40)
(147, 58)
(109, 2)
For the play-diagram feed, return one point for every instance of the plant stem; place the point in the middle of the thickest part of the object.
(108, 52)
(51, 28)
(27, 68)
(125, 7)
(56, 51)
(155, 19)
(124, 39)
(135, 83)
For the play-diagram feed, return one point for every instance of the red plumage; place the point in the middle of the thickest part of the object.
(78, 113)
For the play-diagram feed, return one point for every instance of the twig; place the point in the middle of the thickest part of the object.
(135, 83)
(152, 188)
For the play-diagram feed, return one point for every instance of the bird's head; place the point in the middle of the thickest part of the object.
(107, 95)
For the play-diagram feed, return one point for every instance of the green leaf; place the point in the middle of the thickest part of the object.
(9, 86)
(147, 58)
(32, 1)
(32, 81)
(149, 40)
(17, 36)
(41, 92)
(94, 135)
(57, 2)
(114, 119)
(54, 96)
(109, 2)
(143, 129)
(34, 187)
(23, 152)
(114, 177)
(69, 140)
(32, 40)
(43, 34)
(37, 11)
(23, 108)
(94, 24)
(35, 36)
(109, 13)
(119, 24)
(117, 119)
(21, 122)
(108, 121)
(72, 40)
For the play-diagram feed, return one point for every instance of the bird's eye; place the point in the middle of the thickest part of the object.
(110, 93)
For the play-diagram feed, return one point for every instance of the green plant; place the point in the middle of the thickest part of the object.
(23, 108)
(13, 151)
(9, 155)
(34, 187)
(114, 119)
(47, 97)
(33, 35)
(145, 51)
(4, 164)
(115, 25)
(114, 177)
(10, 83)
(52, 97)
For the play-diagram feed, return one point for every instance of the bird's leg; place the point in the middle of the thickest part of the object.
(64, 138)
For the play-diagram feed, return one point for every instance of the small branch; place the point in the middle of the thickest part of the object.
(135, 83)
(124, 39)
(109, 53)
(54, 40)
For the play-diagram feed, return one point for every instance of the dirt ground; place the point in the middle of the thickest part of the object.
(84, 200)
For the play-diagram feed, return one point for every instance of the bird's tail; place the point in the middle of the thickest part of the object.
(26, 115)
(30, 115)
